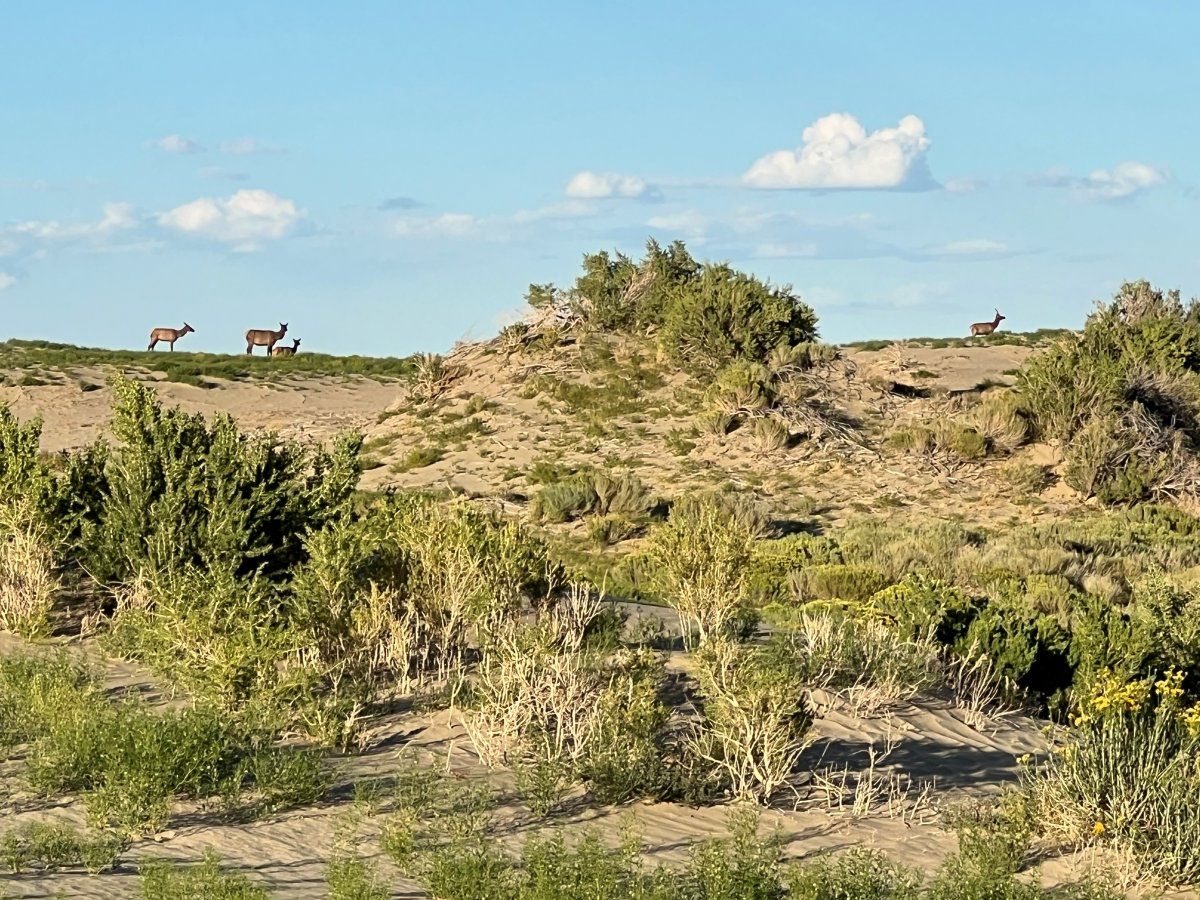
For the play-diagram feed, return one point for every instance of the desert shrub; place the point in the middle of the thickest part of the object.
(743, 386)
(926, 607)
(589, 491)
(1126, 396)
(182, 492)
(1000, 420)
(715, 422)
(628, 757)
(28, 577)
(835, 581)
(419, 458)
(612, 529)
(705, 315)
(858, 874)
(771, 433)
(49, 847)
(755, 719)
(1026, 477)
(773, 561)
(946, 436)
(130, 763)
(839, 650)
(700, 555)
(1128, 775)
(166, 880)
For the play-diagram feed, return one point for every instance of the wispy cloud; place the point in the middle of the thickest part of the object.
(1121, 182)
(243, 220)
(177, 143)
(248, 146)
(393, 203)
(837, 152)
(444, 225)
(964, 185)
(6, 281)
(588, 185)
(772, 250)
(116, 217)
(974, 248)
(220, 173)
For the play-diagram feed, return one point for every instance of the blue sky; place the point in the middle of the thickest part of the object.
(389, 177)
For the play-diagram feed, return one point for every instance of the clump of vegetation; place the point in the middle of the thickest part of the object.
(131, 764)
(705, 315)
(166, 880)
(945, 436)
(1128, 776)
(700, 556)
(48, 847)
(1124, 397)
(564, 497)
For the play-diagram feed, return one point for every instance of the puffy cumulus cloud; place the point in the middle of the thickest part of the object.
(601, 185)
(1122, 181)
(838, 153)
(6, 281)
(243, 220)
(177, 143)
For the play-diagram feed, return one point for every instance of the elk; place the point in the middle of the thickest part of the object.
(286, 351)
(986, 327)
(170, 335)
(264, 337)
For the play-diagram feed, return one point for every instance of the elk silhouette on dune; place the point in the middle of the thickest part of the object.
(286, 351)
(980, 328)
(170, 335)
(265, 337)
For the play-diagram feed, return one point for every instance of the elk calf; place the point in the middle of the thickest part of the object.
(170, 335)
(265, 337)
(286, 351)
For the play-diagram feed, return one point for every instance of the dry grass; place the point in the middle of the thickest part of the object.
(28, 580)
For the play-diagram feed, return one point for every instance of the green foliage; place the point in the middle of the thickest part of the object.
(705, 315)
(858, 874)
(835, 581)
(773, 561)
(130, 763)
(1125, 394)
(206, 880)
(49, 847)
(628, 756)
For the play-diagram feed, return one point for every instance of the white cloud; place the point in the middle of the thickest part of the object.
(243, 220)
(688, 222)
(572, 209)
(6, 281)
(177, 143)
(785, 251)
(445, 225)
(963, 185)
(602, 185)
(1118, 183)
(837, 152)
(977, 247)
(248, 146)
(117, 217)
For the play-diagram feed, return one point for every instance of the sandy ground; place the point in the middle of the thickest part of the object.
(310, 408)
(932, 749)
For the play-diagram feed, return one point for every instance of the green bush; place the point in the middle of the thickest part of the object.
(130, 763)
(836, 581)
(50, 846)
(858, 874)
(206, 880)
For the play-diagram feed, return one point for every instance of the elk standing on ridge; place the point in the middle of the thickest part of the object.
(986, 327)
(264, 337)
(286, 351)
(170, 335)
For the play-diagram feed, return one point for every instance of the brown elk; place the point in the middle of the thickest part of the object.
(987, 327)
(264, 337)
(286, 351)
(170, 335)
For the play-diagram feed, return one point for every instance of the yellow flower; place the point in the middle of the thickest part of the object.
(1098, 829)
(1170, 686)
